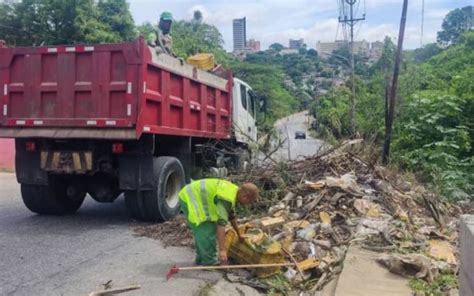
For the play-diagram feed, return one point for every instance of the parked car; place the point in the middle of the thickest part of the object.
(300, 135)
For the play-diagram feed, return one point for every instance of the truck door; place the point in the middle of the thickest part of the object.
(252, 115)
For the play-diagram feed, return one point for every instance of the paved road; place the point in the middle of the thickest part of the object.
(74, 255)
(296, 148)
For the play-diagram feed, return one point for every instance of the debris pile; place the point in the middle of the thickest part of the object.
(174, 233)
(316, 207)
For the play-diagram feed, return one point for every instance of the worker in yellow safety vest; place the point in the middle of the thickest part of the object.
(209, 204)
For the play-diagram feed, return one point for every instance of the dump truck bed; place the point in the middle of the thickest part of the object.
(114, 91)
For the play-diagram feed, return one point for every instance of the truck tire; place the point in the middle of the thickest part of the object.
(161, 204)
(50, 199)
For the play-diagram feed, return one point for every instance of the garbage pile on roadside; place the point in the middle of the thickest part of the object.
(316, 207)
(173, 233)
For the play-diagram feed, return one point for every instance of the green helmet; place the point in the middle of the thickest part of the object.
(166, 16)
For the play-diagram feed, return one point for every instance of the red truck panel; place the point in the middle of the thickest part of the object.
(107, 86)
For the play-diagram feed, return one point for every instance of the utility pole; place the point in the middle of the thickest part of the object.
(351, 21)
(393, 91)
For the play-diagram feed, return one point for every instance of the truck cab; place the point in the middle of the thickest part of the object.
(244, 112)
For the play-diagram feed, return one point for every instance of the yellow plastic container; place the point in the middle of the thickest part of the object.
(243, 253)
(203, 61)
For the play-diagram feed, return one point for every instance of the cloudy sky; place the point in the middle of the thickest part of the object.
(276, 20)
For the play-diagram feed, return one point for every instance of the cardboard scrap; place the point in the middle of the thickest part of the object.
(325, 218)
(441, 250)
(308, 264)
(269, 221)
(298, 224)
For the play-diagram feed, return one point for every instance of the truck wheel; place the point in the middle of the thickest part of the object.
(161, 204)
(51, 199)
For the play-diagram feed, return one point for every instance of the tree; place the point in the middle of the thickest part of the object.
(454, 24)
(277, 46)
(428, 51)
(115, 14)
(36, 22)
(312, 52)
(197, 17)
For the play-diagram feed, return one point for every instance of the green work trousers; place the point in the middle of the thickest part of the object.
(205, 236)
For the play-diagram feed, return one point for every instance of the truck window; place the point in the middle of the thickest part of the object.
(243, 95)
(252, 104)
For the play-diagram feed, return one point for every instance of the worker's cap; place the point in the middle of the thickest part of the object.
(250, 190)
(166, 16)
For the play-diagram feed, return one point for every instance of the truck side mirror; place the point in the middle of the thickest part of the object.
(262, 101)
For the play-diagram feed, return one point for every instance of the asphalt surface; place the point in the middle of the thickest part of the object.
(74, 255)
(296, 148)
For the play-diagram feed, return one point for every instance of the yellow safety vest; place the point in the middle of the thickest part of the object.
(200, 195)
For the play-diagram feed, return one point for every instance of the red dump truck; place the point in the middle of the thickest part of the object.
(109, 119)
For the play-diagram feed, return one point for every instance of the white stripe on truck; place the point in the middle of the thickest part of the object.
(70, 49)
(5, 89)
(5, 110)
(129, 109)
(38, 122)
(129, 88)
(89, 48)
(52, 50)
(20, 122)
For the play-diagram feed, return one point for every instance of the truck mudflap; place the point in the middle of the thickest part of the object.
(66, 162)
(27, 166)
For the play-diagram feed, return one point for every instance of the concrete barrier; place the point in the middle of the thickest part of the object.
(466, 273)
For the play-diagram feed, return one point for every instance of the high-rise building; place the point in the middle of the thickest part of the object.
(296, 43)
(254, 45)
(240, 34)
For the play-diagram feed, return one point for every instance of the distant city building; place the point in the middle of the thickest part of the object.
(371, 50)
(286, 51)
(329, 47)
(254, 45)
(360, 47)
(296, 43)
(240, 34)
(375, 52)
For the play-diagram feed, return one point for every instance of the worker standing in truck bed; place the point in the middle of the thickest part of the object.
(161, 38)
(209, 204)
